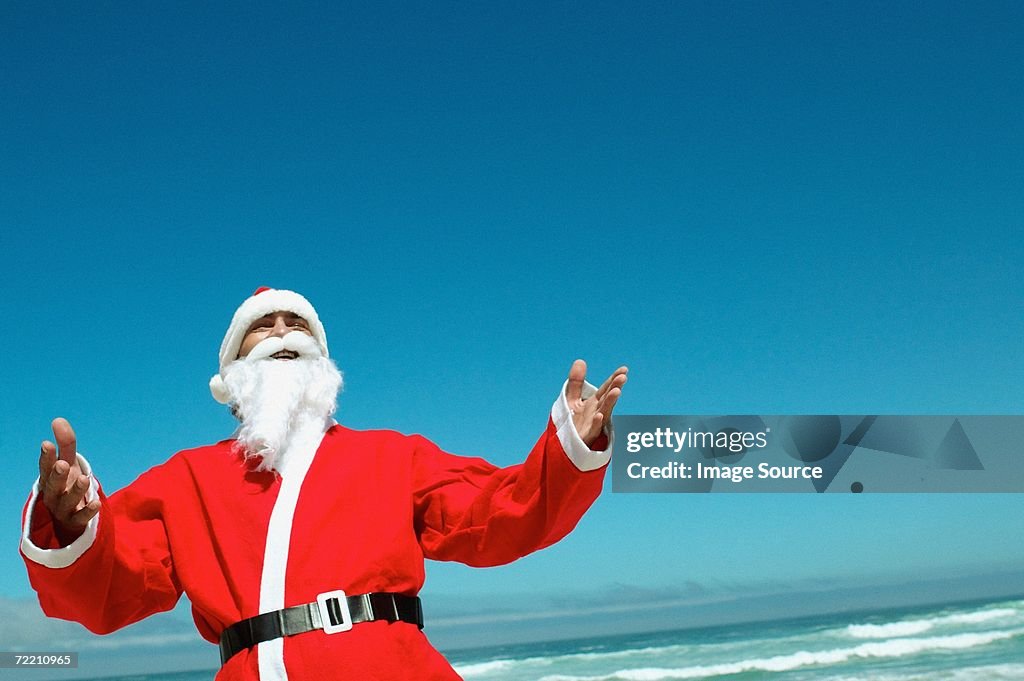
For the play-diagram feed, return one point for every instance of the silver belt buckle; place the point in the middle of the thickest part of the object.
(326, 618)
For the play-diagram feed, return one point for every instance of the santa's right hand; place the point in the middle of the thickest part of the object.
(63, 485)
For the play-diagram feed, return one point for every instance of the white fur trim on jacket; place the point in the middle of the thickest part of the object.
(297, 460)
(63, 557)
(582, 456)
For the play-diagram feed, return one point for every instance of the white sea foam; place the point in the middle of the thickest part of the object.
(993, 672)
(610, 656)
(895, 648)
(981, 616)
(919, 626)
(593, 655)
(893, 629)
(483, 668)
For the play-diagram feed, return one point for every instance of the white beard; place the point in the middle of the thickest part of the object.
(277, 399)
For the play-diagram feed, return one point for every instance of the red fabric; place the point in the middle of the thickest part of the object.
(601, 443)
(44, 534)
(372, 506)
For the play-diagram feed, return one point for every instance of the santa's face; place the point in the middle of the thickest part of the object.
(280, 386)
(275, 324)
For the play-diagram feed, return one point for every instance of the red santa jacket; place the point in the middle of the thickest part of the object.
(370, 507)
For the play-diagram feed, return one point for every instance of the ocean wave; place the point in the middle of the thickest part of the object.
(919, 626)
(481, 668)
(895, 648)
(981, 616)
(992, 672)
(622, 656)
(890, 630)
(592, 656)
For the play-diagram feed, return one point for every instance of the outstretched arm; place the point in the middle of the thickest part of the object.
(103, 568)
(471, 511)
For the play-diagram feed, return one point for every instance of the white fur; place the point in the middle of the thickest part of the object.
(275, 399)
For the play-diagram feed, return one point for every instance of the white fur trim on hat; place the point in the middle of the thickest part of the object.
(263, 302)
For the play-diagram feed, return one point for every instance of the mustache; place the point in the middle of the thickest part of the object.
(300, 343)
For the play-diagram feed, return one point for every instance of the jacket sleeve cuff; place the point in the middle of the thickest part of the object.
(65, 556)
(579, 453)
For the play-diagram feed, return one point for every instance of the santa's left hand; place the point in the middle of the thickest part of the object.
(590, 415)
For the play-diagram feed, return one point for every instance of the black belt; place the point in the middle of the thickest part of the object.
(332, 611)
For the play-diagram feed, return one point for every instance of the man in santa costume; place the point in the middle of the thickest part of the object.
(300, 542)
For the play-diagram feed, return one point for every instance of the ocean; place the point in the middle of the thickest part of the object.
(959, 642)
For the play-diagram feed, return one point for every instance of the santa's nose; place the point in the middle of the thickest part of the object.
(281, 327)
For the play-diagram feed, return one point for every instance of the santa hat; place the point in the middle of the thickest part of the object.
(261, 303)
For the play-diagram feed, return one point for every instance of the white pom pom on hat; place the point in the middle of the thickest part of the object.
(262, 302)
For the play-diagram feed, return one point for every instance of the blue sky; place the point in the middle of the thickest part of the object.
(808, 208)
